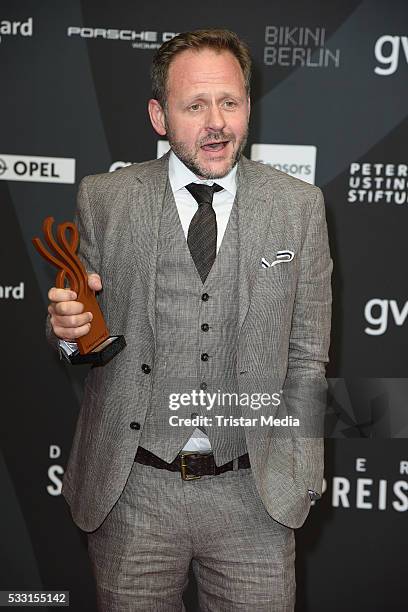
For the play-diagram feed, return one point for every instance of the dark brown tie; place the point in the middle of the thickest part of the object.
(202, 231)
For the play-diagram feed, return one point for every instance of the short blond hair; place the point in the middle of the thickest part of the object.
(216, 39)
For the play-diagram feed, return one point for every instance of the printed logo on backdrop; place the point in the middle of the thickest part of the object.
(362, 492)
(15, 28)
(380, 314)
(116, 165)
(373, 183)
(37, 169)
(12, 292)
(55, 471)
(390, 52)
(162, 147)
(298, 46)
(143, 39)
(297, 160)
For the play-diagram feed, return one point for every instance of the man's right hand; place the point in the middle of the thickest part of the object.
(68, 320)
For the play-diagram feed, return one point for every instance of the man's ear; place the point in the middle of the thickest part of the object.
(249, 107)
(156, 114)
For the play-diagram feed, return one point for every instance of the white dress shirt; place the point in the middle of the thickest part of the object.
(179, 177)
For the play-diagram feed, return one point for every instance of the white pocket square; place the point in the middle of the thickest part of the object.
(281, 257)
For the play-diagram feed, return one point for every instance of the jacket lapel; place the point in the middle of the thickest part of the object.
(145, 207)
(255, 201)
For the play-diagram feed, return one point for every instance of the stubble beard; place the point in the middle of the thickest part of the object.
(191, 160)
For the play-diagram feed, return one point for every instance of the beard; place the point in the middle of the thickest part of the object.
(191, 160)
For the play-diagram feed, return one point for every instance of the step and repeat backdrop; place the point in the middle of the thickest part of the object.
(329, 106)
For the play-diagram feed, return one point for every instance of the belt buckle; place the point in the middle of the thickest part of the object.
(183, 466)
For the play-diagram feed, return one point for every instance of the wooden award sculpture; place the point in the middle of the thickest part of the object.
(97, 347)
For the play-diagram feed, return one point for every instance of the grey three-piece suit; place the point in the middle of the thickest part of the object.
(269, 331)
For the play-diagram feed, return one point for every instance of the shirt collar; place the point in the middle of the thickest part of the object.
(180, 176)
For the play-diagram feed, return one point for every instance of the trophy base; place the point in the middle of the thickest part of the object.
(101, 354)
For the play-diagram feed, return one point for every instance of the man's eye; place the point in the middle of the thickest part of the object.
(230, 103)
(195, 107)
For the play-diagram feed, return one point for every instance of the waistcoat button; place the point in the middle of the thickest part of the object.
(146, 368)
(205, 297)
(205, 327)
(204, 356)
(134, 425)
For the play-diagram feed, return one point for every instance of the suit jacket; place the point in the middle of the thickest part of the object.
(283, 331)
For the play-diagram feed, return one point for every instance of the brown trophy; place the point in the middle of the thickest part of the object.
(97, 347)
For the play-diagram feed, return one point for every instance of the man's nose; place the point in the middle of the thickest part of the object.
(215, 118)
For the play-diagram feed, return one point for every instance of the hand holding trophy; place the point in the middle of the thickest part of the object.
(96, 347)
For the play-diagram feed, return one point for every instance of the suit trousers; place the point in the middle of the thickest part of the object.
(241, 557)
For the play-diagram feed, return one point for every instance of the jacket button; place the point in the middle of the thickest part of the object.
(204, 356)
(205, 297)
(146, 368)
(134, 425)
(205, 327)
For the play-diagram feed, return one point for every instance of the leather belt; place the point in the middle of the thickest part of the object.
(191, 465)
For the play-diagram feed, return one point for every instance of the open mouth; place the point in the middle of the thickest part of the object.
(215, 146)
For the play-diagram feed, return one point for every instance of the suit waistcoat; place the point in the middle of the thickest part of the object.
(185, 354)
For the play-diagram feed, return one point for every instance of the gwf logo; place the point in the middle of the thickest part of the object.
(388, 50)
(377, 313)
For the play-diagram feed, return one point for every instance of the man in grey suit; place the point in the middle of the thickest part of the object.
(217, 271)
